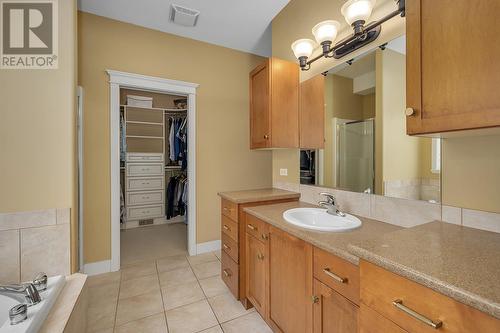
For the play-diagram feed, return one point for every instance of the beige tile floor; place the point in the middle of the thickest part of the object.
(175, 294)
(149, 243)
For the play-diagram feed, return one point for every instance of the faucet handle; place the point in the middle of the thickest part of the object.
(40, 281)
(31, 294)
(329, 197)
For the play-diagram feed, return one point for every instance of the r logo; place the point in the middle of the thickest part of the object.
(28, 28)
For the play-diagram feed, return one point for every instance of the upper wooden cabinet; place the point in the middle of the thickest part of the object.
(274, 105)
(453, 70)
(312, 113)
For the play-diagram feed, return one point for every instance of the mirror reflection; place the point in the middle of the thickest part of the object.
(366, 148)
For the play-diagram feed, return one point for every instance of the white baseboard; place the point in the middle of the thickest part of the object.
(99, 267)
(208, 246)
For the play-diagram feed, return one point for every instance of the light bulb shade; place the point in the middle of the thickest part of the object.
(303, 48)
(357, 10)
(326, 31)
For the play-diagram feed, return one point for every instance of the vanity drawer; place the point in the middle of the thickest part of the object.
(144, 198)
(144, 212)
(230, 228)
(257, 228)
(380, 289)
(144, 157)
(145, 169)
(229, 209)
(142, 184)
(230, 273)
(230, 247)
(338, 274)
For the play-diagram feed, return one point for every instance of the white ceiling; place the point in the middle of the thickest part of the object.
(237, 24)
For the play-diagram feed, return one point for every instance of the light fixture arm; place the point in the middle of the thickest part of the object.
(360, 34)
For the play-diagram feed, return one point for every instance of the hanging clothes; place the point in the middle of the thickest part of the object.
(175, 202)
(123, 138)
(171, 139)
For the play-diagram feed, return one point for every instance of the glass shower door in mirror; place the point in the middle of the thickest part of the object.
(355, 159)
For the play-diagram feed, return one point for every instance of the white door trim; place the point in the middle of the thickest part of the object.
(119, 80)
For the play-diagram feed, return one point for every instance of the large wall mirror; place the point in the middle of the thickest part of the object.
(366, 148)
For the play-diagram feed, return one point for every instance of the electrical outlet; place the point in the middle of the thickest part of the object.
(283, 172)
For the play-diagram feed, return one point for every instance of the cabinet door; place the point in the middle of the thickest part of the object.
(290, 283)
(452, 68)
(312, 113)
(256, 271)
(260, 104)
(333, 313)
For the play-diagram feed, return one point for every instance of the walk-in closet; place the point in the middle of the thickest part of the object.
(153, 177)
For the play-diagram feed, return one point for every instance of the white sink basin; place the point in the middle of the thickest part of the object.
(318, 219)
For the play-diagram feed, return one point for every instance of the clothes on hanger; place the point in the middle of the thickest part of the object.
(171, 138)
(123, 138)
(176, 204)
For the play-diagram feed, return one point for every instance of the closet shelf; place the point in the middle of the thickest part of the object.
(172, 167)
(143, 122)
(144, 137)
(156, 109)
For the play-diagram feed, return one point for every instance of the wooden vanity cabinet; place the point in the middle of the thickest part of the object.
(274, 105)
(233, 245)
(312, 113)
(380, 289)
(452, 69)
(290, 283)
(333, 313)
(257, 262)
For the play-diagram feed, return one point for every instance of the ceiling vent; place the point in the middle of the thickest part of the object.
(184, 16)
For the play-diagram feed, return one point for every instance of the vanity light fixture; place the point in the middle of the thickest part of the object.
(356, 14)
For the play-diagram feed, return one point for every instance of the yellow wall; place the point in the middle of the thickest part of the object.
(37, 129)
(224, 161)
(471, 172)
(400, 152)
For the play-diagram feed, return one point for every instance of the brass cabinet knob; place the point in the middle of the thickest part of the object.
(266, 137)
(260, 256)
(409, 112)
(315, 299)
(264, 236)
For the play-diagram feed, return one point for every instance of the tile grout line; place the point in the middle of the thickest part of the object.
(161, 295)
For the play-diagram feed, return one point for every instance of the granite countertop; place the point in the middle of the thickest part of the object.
(460, 262)
(336, 243)
(247, 196)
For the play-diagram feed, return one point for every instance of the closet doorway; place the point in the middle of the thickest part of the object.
(153, 184)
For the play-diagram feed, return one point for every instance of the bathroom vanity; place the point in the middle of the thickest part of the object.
(233, 222)
(377, 278)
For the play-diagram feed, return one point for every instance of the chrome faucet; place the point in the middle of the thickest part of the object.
(331, 204)
(29, 290)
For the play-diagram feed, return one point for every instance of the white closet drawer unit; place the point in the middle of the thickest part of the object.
(145, 184)
(144, 157)
(145, 169)
(144, 198)
(144, 212)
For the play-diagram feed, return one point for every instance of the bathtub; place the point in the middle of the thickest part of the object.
(36, 313)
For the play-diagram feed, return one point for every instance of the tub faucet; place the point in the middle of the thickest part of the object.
(28, 290)
(331, 204)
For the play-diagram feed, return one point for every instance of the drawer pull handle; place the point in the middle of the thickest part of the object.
(226, 247)
(251, 227)
(226, 228)
(260, 256)
(264, 236)
(227, 209)
(334, 276)
(226, 273)
(434, 324)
